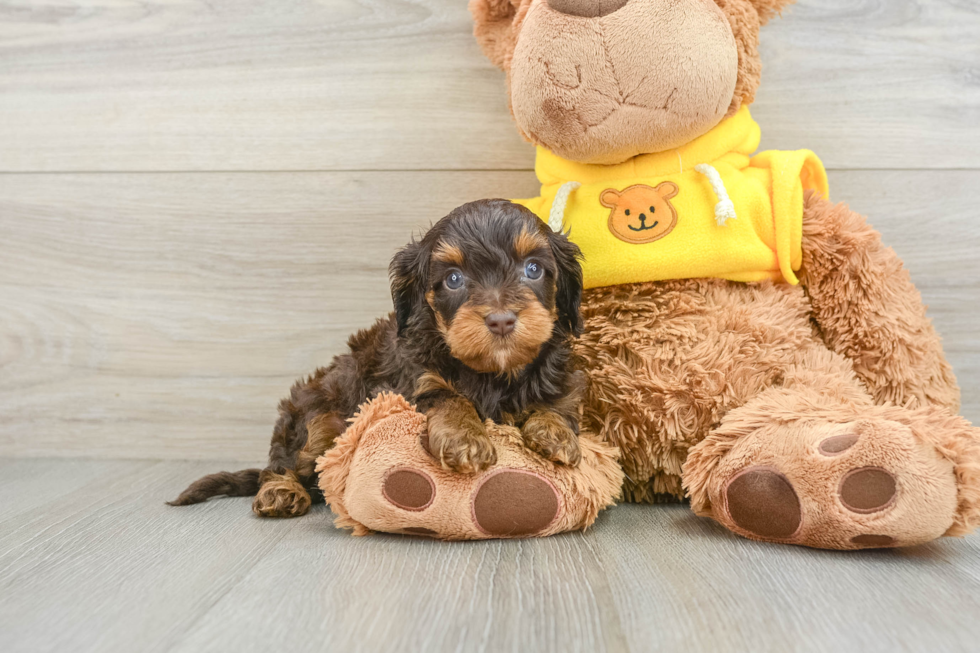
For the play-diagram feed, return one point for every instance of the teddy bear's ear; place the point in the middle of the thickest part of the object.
(768, 9)
(496, 24)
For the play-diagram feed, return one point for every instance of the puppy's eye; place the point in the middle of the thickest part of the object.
(653, 209)
(454, 280)
(532, 270)
(627, 211)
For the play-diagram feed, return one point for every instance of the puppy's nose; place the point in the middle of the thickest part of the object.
(501, 323)
(587, 8)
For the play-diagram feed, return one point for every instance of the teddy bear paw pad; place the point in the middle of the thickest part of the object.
(762, 501)
(867, 490)
(873, 541)
(838, 444)
(408, 489)
(419, 530)
(513, 503)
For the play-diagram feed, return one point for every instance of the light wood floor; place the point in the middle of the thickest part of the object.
(198, 201)
(91, 560)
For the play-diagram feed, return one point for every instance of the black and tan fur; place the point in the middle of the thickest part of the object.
(437, 349)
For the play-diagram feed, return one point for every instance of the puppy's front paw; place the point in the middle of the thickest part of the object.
(465, 449)
(549, 435)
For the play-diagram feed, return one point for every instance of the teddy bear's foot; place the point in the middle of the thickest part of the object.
(380, 476)
(865, 484)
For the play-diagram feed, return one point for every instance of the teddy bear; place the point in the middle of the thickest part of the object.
(749, 346)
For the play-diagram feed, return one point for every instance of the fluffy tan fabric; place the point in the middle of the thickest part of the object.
(679, 363)
(582, 88)
(385, 436)
(577, 104)
(869, 310)
(821, 398)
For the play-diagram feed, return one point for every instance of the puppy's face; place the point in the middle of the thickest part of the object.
(494, 281)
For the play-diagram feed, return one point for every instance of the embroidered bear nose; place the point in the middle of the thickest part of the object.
(587, 8)
(501, 323)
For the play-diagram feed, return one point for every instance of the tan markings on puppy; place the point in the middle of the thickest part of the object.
(321, 433)
(448, 253)
(430, 297)
(281, 495)
(528, 242)
(432, 382)
(549, 434)
(458, 438)
(471, 341)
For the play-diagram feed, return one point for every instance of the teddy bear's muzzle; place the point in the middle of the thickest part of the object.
(587, 8)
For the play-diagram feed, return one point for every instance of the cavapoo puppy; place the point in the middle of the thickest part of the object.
(486, 305)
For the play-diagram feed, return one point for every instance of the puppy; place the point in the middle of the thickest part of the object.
(486, 305)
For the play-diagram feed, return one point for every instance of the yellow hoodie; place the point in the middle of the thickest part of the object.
(707, 209)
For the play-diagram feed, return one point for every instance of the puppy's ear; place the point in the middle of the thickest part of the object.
(409, 274)
(568, 291)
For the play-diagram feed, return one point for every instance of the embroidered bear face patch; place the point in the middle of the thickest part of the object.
(641, 214)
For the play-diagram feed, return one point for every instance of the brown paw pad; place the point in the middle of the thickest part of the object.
(867, 490)
(418, 530)
(838, 444)
(514, 503)
(763, 502)
(873, 540)
(408, 489)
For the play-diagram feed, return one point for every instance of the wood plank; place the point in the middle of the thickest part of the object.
(685, 583)
(310, 85)
(390, 592)
(186, 305)
(110, 568)
(40, 483)
(164, 315)
(874, 85)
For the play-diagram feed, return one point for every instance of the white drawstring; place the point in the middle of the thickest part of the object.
(556, 219)
(725, 208)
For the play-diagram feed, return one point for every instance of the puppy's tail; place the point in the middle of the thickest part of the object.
(232, 484)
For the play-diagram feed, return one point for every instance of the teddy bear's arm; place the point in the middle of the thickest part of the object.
(867, 309)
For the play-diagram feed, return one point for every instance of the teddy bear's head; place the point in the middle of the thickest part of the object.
(600, 81)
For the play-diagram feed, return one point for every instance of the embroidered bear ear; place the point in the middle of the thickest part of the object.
(609, 198)
(667, 190)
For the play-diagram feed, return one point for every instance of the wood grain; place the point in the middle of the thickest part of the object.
(109, 567)
(164, 315)
(547, 595)
(110, 564)
(382, 84)
(685, 583)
